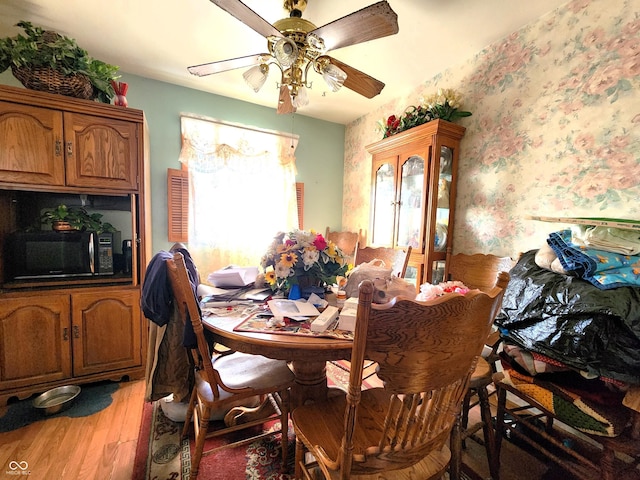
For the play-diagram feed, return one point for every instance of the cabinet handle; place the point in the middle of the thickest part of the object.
(69, 149)
(76, 332)
(65, 334)
(58, 148)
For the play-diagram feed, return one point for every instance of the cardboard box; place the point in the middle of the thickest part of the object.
(347, 317)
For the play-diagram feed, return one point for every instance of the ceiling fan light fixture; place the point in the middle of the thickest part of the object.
(334, 76)
(256, 76)
(295, 44)
(315, 42)
(300, 98)
(285, 51)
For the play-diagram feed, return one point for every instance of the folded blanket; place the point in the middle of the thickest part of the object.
(569, 406)
(605, 270)
(609, 239)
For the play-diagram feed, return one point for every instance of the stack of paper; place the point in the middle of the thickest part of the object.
(233, 276)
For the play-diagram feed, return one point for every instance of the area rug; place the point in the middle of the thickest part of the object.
(92, 399)
(162, 455)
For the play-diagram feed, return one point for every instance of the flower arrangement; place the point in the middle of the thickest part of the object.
(429, 291)
(302, 258)
(444, 105)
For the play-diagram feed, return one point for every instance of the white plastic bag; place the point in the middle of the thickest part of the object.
(376, 268)
(384, 289)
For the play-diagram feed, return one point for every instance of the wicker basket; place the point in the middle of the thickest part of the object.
(49, 80)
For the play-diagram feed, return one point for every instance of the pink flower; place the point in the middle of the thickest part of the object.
(320, 243)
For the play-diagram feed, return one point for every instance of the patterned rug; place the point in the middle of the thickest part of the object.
(161, 455)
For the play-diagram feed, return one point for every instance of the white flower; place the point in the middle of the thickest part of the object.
(283, 271)
(309, 257)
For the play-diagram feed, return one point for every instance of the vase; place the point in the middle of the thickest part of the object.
(62, 226)
(310, 285)
(294, 293)
(120, 89)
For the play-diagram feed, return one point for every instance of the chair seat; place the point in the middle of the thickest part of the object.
(482, 375)
(326, 430)
(432, 466)
(242, 370)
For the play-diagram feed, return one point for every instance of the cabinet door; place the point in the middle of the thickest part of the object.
(106, 330)
(31, 140)
(100, 152)
(384, 202)
(411, 203)
(35, 344)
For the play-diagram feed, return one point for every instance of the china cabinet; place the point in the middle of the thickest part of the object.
(60, 330)
(413, 188)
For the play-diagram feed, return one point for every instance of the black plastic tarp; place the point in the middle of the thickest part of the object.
(571, 321)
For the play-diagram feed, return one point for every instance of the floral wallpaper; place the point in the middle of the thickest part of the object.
(555, 129)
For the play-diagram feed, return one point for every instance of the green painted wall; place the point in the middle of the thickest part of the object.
(319, 156)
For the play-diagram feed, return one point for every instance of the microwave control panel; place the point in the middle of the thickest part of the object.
(105, 254)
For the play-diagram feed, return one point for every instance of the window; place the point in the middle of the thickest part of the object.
(242, 191)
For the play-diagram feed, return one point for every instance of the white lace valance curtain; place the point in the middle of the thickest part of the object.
(242, 191)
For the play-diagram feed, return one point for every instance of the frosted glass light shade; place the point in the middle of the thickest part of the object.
(256, 76)
(334, 76)
(301, 99)
(286, 52)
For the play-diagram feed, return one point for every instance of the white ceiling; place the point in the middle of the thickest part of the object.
(158, 39)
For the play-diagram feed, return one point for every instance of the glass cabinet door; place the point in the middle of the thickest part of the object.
(384, 202)
(410, 206)
(443, 205)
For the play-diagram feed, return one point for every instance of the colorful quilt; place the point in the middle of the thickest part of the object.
(578, 411)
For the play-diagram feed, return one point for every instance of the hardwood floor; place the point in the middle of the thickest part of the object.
(100, 446)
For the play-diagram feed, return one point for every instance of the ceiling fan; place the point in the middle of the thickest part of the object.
(295, 45)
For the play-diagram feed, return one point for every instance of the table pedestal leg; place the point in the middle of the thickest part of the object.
(311, 382)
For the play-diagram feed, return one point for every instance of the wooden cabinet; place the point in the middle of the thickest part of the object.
(35, 346)
(413, 188)
(106, 331)
(62, 337)
(56, 149)
(31, 140)
(43, 146)
(100, 152)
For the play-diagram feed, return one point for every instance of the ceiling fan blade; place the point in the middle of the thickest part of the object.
(358, 81)
(375, 21)
(247, 16)
(224, 65)
(284, 101)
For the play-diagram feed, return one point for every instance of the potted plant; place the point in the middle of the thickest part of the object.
(63, 218)
(45, 60)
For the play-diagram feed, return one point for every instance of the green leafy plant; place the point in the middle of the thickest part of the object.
(445, 105)
(78, 219)
(43, 48)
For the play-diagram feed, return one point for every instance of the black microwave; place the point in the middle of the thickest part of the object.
(52, 254)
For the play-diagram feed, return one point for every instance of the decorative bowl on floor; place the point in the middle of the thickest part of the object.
(57, 399)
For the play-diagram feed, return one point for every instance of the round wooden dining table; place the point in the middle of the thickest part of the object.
(308, 356)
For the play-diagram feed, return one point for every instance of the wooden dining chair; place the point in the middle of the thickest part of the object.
(227, 379)
(425, 352)
(396, 258)
(477, 271)
(346, 241)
